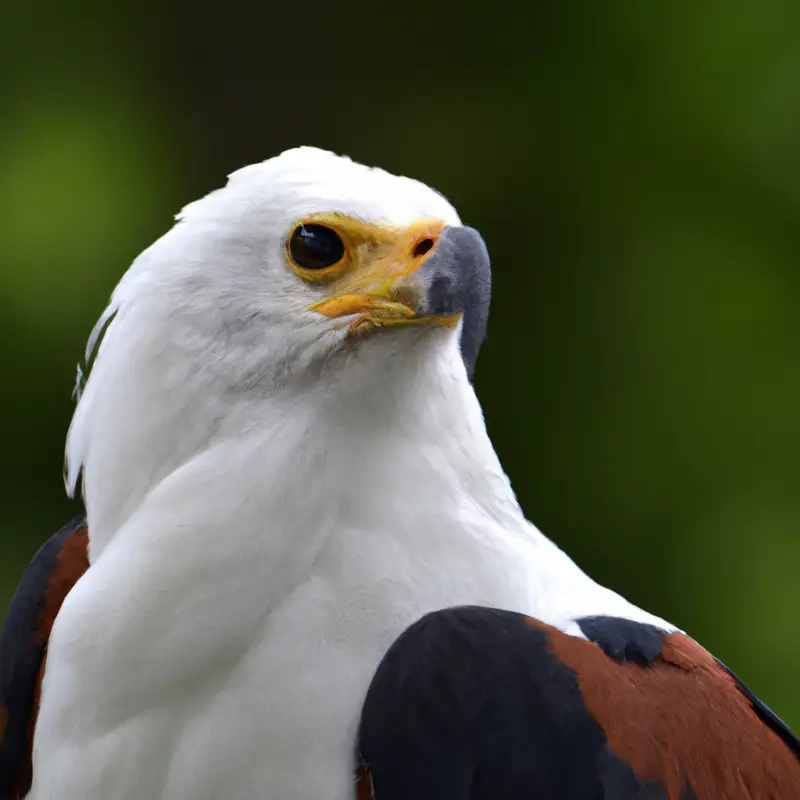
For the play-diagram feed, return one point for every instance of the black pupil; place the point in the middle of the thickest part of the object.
(315, 247)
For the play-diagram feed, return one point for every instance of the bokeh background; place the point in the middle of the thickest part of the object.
(634, 168)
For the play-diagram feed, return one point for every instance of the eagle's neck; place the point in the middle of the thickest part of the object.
(376, 433)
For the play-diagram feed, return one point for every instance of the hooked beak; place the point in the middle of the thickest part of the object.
(424, 278)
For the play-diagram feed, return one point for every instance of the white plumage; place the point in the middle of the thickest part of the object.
(269, 507)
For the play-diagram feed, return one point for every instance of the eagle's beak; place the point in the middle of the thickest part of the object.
(423, 279)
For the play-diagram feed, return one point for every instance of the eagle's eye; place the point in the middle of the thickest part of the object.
(315, 247)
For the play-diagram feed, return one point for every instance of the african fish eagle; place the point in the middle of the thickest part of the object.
(303, 573)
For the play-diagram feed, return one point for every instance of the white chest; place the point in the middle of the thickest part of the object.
(184, 671)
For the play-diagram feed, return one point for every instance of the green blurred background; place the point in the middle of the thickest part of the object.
(634, 168)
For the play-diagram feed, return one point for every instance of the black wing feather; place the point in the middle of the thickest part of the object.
(478, 703)
(22, 650)
(470, 704)
(766, 714)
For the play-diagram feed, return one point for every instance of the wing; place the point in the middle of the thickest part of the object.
(477, 704)
(23, 648)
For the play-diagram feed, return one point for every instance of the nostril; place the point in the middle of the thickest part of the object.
(423, 246)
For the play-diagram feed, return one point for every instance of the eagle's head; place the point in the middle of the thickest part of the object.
(308, 253)
(325, 251)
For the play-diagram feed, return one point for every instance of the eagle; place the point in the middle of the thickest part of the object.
(302, 571)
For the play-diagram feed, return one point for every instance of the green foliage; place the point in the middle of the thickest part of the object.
(634, 168)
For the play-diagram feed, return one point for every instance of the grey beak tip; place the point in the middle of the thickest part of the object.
(460, 281)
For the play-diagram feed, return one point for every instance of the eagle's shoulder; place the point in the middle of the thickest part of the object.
(54, 570)
(483, 703)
